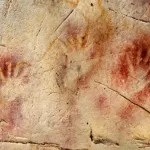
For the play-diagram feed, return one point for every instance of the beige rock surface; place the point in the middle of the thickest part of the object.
(74, 75)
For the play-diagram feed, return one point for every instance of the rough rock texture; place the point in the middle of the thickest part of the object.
(74, 74)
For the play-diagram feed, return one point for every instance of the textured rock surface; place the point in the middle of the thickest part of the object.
(74, 74)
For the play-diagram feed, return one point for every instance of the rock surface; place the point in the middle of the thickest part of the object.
(74, 74)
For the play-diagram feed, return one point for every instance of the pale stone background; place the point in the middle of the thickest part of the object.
(64, 96)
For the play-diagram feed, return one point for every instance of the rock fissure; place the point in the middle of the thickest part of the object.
(128, 99)
(8, 4)
(102, 140)
(40, 144)
(131, 17)
(63, 21)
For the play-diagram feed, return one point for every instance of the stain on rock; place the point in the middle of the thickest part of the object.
(135, 57)
(14, 113)
(102, 104)
(61, 72)
(96, 34)
(134, 61)
(140, 98)
(11, 69)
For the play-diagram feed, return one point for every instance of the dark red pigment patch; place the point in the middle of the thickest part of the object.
(5, 61)
(122, 71)
(135, 56)
(9, 63)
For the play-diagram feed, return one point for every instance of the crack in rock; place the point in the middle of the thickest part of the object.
(39, 30)
(141, 107)
(40, 144)
(131, 17)
(7, 7)
(102, 140)
(2, 121)
(57, 28)
(142, 142)
(2, 45)
(64, 20)
(29, 142)
(73, 149)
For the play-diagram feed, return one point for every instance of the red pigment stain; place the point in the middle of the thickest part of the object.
(135, 56)
(126, 112)
(14, 113)
(5, 61)
(9, 64)
(139, 98)
(142, 96)
(102, 102)
(122, 70)
(10, 110)
(11, 115)
(148, 75)
(71, 37)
